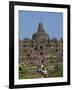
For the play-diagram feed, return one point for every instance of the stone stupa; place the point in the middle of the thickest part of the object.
(40, 34)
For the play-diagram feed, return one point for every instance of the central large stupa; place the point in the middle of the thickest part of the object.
(40, 34)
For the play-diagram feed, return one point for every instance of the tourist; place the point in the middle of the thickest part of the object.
(42, 58)
(45, 73)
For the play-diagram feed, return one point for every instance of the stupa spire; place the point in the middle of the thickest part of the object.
(41, 27)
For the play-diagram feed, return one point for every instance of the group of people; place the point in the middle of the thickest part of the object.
(42, 69)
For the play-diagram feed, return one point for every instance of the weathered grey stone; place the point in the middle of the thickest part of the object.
(51, 48)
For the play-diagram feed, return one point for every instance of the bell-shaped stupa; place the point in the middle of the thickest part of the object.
(40, 34)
